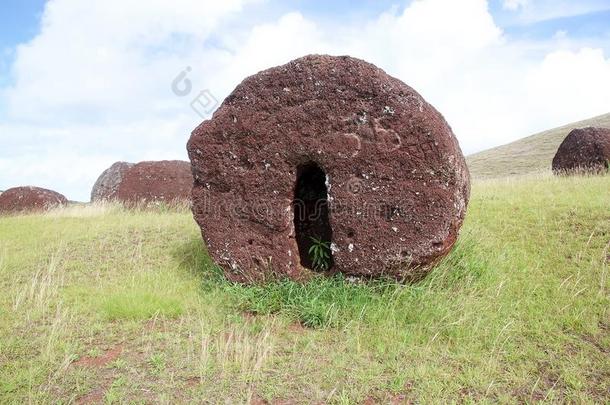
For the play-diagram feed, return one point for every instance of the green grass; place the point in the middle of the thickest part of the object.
(137, 304)
(530, 155)
(103, 304)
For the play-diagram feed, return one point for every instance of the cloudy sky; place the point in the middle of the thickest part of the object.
(84, 83)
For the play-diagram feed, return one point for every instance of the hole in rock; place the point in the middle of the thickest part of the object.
(311, 217)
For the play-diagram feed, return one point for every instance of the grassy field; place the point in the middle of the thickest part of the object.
(102, 304)
(533, 154)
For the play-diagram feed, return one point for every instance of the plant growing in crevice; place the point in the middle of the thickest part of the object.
(319, 253)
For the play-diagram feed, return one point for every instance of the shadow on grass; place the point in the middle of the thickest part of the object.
(336, 301)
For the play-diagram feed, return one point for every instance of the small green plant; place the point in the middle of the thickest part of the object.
(157, 361)
(319, 253)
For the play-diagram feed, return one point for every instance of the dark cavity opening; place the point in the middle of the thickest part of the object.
(311, 218)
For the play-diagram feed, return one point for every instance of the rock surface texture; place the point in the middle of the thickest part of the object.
(23, 199)
(106, 186)
(159, 181)
(331, 149)
(585, 150)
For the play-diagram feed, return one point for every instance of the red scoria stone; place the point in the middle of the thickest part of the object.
(156, 181)
(584, 150)
(22, 199)
(331, 148)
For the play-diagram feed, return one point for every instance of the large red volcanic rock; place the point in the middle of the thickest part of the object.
(21, 199)
(330, 148)
(160, 181)
(585, 150)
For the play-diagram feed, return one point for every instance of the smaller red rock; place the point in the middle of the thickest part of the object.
(159, 181)
(584, 150)
(22, 199)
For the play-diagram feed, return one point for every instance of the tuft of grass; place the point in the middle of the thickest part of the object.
(139, 305)
(157, 362)
(337, 301)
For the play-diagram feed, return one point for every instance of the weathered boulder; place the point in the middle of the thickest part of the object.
(167, 181)
(584, 150)
(28, 198)
(327, 156)
(106, 186)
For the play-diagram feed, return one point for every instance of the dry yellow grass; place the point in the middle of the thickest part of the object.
(104, 304)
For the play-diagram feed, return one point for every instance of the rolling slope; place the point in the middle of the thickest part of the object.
(528, 155)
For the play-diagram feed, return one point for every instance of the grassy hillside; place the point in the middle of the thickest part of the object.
(101, 304)
(528, 155)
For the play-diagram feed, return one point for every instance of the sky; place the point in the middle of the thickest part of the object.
(86, 83)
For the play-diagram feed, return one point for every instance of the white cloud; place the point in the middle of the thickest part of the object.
(428, 40)
(570, 85)
(94, 86)
(113, 53)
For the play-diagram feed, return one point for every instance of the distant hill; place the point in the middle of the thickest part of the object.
(527, 155)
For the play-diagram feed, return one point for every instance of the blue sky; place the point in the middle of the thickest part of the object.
(19, 22)
(92, 85)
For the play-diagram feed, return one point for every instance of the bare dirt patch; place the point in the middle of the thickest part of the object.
(103, 360)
